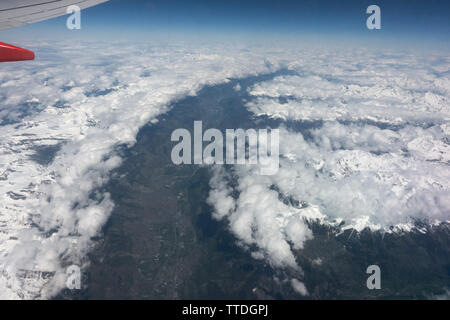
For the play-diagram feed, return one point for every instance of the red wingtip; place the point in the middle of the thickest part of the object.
(12, 53)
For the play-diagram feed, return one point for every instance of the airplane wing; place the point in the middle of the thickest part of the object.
(15, 13)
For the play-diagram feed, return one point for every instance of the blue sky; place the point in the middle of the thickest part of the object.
(402, 20)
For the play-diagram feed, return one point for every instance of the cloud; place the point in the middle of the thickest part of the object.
(404, 89)
(382, 163)
(375, 153)
(87, 99)
(299, 287)
(263, 224)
